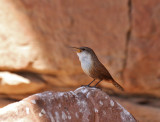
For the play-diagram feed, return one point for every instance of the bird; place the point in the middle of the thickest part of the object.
(91, 65)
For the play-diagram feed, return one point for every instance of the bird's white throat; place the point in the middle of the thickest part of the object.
(86, 61)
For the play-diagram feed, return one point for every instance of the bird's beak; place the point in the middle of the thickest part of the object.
(78, 50)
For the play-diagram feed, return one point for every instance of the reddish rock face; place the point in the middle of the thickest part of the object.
(47, 28)
(14, 84)
(82, 105)
(142, 74)
(143, 113)
(35, 35)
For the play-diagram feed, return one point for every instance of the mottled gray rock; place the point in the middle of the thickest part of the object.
(82, 105)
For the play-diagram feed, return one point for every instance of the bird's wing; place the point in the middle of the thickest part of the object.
(101, 72)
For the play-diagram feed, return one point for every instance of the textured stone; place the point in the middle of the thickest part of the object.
(11, 83)
(34, 34)
(142, 73)
(81, 105)
(72, 81)
(4, 101)
(142, 113)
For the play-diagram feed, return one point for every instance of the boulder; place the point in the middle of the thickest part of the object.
(82, 105)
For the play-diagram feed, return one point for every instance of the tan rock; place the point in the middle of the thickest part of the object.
(36, 39)
(18, 96)
(142, 113)
(5, 101)
(34, 36)
(76, 80)
(11, 83)
(81, 105)
(142, 73)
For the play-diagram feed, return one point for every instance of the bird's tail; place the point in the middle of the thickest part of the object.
(117, 85)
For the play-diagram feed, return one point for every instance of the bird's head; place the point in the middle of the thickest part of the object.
(83, 49)
(84, 52)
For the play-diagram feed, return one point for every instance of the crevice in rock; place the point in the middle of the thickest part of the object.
(128, 37)
(28, 74)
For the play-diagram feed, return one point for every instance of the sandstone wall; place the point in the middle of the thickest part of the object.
(142, 72)
(35, 35)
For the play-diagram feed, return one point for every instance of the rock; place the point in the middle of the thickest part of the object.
(72, 81)
(142, 113)
(11, 83)
(17, 96)
(48, 27)
(142, 74)
(5, 101)
(82, 105)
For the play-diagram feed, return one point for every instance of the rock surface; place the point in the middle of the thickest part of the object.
(5, 101)
(142, 73)
(123, 42)
(48, 27)
(82, 105)
(11, 83)
(34, 35)
(143, 113)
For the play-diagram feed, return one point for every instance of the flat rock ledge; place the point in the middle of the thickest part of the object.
(82, 105)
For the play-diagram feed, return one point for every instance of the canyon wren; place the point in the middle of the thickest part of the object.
(93, 67)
